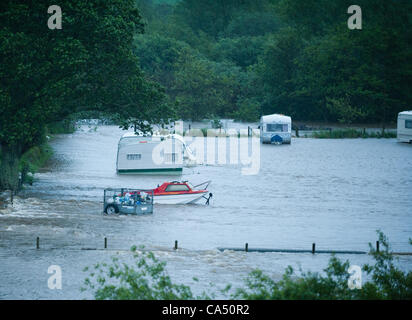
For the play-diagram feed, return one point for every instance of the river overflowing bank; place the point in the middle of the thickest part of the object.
(335, 193)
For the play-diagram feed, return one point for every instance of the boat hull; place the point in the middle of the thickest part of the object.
(184, 198)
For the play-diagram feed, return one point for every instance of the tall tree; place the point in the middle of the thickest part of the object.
(46, 75)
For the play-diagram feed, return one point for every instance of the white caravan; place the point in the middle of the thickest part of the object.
(404, 132)
(275, 128)
(157, 154)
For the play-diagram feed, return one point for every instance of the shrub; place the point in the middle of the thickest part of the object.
(146, 280)
(150, 281)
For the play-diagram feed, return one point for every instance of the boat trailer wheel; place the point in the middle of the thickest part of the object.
(111, 209)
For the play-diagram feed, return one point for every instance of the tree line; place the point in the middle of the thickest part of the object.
(244, 58)
(48, 75)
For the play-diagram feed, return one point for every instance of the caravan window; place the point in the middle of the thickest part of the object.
(134, 156)
(276, 127)
(408, 124)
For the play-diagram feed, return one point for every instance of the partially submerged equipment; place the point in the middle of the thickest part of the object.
(140, 201)
(404, 130)
(127, 201)
(275, 128)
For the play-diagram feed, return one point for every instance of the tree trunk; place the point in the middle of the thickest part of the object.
(9, 167)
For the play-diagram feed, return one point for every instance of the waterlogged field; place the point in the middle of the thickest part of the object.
(335, 193)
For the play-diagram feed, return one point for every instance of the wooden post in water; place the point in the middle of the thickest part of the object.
(37, 243)
(105, 243)
(175, 244)
(246, 247)
(377, 246)
(313, 248)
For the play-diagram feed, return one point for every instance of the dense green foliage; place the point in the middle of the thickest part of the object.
(47, 75)
(387, 281)
(32, 160)
(242, 58)
(147, 279)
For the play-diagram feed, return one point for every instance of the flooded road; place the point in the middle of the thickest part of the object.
(335, 193)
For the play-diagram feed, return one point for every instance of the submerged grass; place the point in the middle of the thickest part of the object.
(61, 127)
(37, 156)
(32, 160)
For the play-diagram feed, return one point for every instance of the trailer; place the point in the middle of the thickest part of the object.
(136, 154)
(276, 129)
(404, 129)
(127, 201)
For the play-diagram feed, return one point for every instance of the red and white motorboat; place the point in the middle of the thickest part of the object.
(176, 192)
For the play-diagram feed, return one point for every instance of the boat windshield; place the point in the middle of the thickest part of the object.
(176, 187)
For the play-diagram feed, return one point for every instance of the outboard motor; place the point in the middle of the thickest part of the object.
(207, 199)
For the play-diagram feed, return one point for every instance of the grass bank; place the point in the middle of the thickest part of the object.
(37, 156)
(61, 127)
(351, 134)
(31, 161)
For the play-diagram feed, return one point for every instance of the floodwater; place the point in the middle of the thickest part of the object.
(335, 193)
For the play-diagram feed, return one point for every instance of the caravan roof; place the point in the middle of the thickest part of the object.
(404, 113)
(131, 134)
(276, 118)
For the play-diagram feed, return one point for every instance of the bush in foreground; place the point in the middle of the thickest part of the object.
(147, 279)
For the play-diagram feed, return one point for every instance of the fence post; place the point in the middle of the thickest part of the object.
(175, 244)
(37, 243)
(105, 243)
(313, 248)
(377, 246)
(246, 247)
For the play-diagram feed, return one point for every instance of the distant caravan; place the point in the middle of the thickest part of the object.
(276, 129)
(404, 131)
